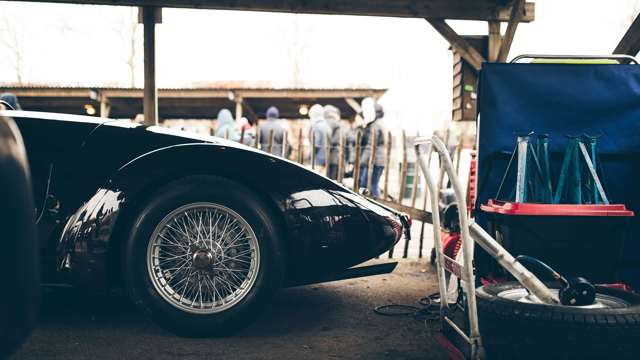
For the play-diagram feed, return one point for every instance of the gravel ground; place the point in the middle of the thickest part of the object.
(325, 321)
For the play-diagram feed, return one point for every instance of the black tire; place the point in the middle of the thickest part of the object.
(19, 258)
(233, 196)
(518, 330)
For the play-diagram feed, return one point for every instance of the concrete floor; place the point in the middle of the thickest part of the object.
(325, 321)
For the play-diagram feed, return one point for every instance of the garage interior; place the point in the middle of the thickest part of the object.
(332, 320)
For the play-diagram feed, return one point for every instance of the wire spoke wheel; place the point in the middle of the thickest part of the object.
(203, 258)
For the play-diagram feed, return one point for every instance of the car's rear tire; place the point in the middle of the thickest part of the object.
(203, 257)
(520, 330)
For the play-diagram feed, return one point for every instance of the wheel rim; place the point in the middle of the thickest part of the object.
(203, 258)
(602, 301)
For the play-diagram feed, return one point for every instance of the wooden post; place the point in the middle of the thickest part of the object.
(424, 208)
(416, 180)
(327, 153)
(356, 169)
(459, 152)
(442, 172)
(495, 40)
(403, 169)
(630, 42)
(517, 11)
(387, 166)
(270, 144)
(104, 106)
(284, 144)
(257, 135)
(458, 43)
(341, 145)
(238, 101)
(150, 103)
(313, 149)
(242, 135)
(372, 159)
(300, 148)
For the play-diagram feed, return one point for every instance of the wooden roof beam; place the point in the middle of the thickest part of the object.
(517, 13)
(458, 43)
(630, 42)
(484, 10)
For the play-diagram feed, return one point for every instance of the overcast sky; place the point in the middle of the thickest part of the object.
(89, 45)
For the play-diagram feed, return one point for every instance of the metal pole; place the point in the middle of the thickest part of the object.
(467, 244)
(423, 163)
(521, 175)
(150, 89)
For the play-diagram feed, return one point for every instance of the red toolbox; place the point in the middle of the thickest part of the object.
(576, 240)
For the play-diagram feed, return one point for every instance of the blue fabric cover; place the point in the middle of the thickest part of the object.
(559, 100)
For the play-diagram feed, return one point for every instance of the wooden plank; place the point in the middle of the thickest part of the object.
(449, 9)
(327, 154)
(517, 11)
(387, 165)
(495, 40)
(630, 42)
(300, 148)
(403, 171)
(457, 103)
(356, 169)
(270, 144)
(458, 43)
(416, 214)
(372, 159)
(457, 79)
(194, 93)
(457, 68)
(457, 115)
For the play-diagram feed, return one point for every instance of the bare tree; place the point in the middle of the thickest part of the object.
(127, 29)
(10, 40)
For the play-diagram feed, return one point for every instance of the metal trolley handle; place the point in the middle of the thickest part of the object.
(469, 232)
(618, 57)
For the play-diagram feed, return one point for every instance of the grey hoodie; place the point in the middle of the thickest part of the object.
(266, 126)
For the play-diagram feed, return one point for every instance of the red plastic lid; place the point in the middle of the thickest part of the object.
(512, 208)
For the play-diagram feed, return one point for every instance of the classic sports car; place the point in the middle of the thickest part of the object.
(200, 231)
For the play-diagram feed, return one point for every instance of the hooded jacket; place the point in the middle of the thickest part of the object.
(272, 123)
(332, 117)
(226, 122)
(374, 127)
(320, 131)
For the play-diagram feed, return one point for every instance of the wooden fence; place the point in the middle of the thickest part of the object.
(408, 195)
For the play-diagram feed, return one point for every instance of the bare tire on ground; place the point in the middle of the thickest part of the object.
(511, 327)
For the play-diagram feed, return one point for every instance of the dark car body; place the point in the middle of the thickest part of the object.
(90, 175)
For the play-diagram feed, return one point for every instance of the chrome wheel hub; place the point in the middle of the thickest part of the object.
(203, 258)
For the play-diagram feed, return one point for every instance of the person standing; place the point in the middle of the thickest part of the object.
(373, 114)
(12, 100)
(319, 131)
(332, 117)
(272, 124)
(227, 126)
